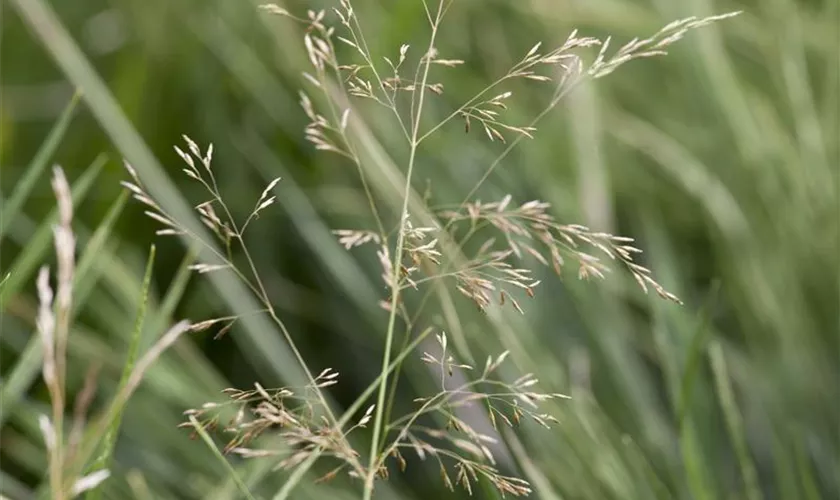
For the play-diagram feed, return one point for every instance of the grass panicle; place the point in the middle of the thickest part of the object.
(494, 270)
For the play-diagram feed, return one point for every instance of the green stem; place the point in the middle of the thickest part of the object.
(302, 469)
(389, 338)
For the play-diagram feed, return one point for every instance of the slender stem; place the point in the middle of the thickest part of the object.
(464, 106)
(360, 41)
(439, 400)
(410, 322)
(286, 334)
(57, 453)
(262, 294)
(304, 467)
(389, 337)
(392, 393)
(561, 92)
(354, 156)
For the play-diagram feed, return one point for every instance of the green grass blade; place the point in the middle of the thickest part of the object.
(539, 480)
(25, 370)
(131, 358)
(29, 362)
(36, 167)
(175, 292)
(218, 454)
(12, 486)
(268, 352)
(23, 268)
(734, 422)
(699, 479)
(87, 272)
(696, 349)
(806, 472)
(784, 469)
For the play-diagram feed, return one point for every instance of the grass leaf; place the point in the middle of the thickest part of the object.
(36, 167)
(104, 458)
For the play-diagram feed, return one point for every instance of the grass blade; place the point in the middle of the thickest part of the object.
(275, 356)
(25, 370)
(88, 272)
(175, 292)
(699, 339)
(131, 359)
(734, 422)
(210, 444)
(36, 167)
(21, 272)
(806, 473)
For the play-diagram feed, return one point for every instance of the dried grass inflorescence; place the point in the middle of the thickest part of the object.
(489, 274)
(528, 229)
(481, 248)
(199, 168)
(296, 416)
(69, 453)
(485, 277)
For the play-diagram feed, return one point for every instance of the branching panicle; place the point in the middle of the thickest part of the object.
(443, 253)
(295, 415)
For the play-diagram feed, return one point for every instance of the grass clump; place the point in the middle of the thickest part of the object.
(480, 249)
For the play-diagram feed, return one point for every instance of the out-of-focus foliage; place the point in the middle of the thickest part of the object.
(720, 158)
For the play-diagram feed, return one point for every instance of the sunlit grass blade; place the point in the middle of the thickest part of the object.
(32, 255)
(714, 160)
(139, 486)
(40, 161)
(12, 487)
(539, 480)
(110, 438)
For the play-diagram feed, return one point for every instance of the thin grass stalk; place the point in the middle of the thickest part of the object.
(562, 92)
(304, 467)
(243, 488)
(66, 53)
(395, 293)
(350, 145)
(410, 322)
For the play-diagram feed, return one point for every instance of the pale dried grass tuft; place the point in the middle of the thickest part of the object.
(68, 458)
(297, 418)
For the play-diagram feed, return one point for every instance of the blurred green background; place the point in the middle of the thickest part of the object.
(720, 158)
